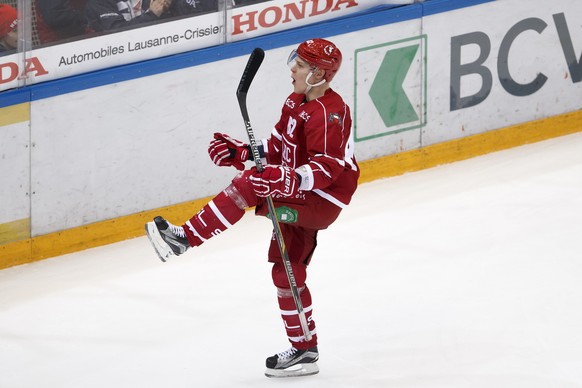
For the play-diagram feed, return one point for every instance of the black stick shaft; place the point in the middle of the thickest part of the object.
(253, 64)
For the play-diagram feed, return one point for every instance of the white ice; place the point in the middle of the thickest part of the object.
(464, 275)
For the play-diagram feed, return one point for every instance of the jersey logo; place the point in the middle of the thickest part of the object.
(287, 215)
(334, 118)
(304, 115)
(288, 153)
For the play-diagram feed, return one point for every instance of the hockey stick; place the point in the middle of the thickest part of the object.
(253, 64)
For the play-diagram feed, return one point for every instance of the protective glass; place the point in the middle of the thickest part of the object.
(292, 57)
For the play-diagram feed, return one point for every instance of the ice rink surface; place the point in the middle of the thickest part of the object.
(464, 275)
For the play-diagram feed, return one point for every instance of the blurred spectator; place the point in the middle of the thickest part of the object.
(8, 25)
(60, 19)
(105, 15)
(191, 7)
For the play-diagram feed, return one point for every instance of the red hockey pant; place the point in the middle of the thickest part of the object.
(300, 219)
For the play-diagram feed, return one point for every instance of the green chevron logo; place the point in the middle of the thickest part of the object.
(390, 90)
(387, 92)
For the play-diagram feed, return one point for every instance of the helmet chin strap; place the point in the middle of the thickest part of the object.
(310, 85)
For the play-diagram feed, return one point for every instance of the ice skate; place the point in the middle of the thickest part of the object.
(167, 239)
(292, 363)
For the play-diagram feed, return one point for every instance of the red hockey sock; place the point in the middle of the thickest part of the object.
(291, 317)
(214, 218)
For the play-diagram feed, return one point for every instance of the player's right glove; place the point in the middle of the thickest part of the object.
(226, 151)
(282, 180)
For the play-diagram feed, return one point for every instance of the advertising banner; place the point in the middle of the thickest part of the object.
(67, 59)
(482, 76)
(278, 15)
(172, 37)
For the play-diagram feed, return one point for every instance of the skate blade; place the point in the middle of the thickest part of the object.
(294, 371)
(162, 249)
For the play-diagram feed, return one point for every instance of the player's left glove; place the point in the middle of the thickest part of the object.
(275, 180)
(227, 151)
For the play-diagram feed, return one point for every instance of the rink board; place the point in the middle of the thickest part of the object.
(81, 156)
(111, 231)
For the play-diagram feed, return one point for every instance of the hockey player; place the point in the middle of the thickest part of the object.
(311, 175)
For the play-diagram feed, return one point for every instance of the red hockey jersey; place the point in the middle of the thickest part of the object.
(314, 138)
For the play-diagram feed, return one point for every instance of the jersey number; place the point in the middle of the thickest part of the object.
(291, 125)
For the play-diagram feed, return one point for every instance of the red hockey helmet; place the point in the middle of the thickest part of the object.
(322, 54)
(8, 19)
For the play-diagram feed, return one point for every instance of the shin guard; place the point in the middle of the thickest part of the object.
(214, 218)
(291, 317)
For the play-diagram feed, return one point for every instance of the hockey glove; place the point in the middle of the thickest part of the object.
(275, 180)
(226, 151)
